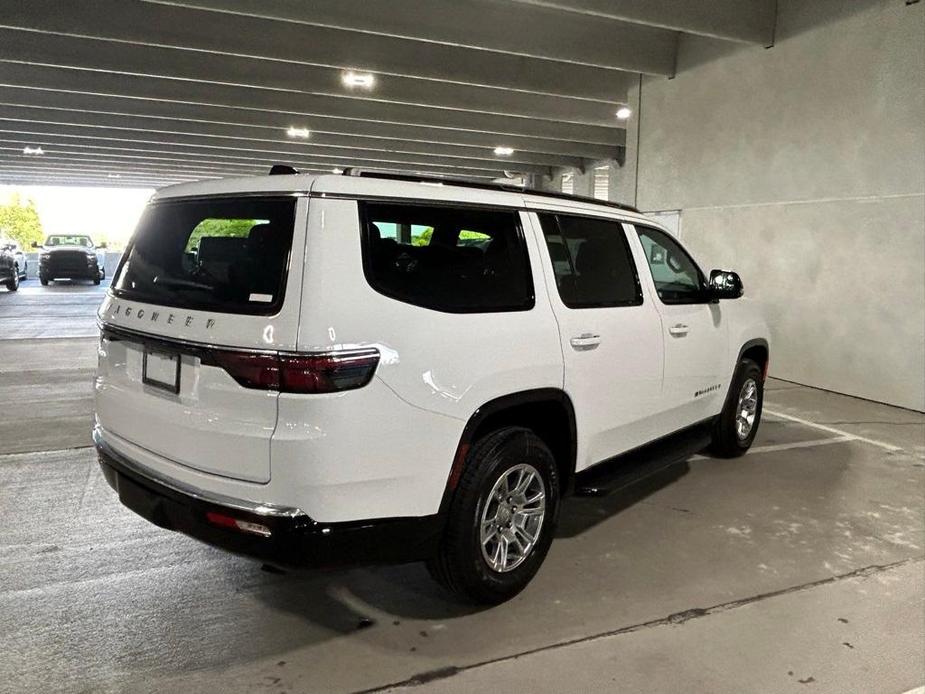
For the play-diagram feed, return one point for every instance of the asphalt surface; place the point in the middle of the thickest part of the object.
(796, 568)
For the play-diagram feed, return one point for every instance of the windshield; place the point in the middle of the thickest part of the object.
(226, 255)
(83, 241)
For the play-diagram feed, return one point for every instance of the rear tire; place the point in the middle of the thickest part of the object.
(13, 283)
(736, 427)
(96, 280)
(508, 476)
(44, 281)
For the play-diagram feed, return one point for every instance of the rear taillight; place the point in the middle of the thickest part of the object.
(327, 372)
(225, 521)
(251, 370)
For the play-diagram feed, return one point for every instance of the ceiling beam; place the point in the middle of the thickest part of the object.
(21, 117)
(118, 167)
(338, 129)
(747, 21)
(534, 31)
(281, 150)
(177, 27)
(113, 145)
(13, 73)
(130, 59)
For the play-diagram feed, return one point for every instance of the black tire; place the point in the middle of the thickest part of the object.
(13, 283)
(460, 565)
(96, 280)
(727, 438)
(44, 281)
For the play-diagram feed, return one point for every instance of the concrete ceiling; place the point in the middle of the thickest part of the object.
(149, 92)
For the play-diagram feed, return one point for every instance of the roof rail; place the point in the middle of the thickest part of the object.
(464, 183)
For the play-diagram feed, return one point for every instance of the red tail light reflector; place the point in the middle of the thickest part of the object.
(224, 521)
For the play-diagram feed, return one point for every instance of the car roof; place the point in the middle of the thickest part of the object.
(399, 187)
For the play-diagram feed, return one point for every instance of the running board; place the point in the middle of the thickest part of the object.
(642, 463)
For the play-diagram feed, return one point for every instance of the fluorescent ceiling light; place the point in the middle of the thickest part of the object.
(351, 79)
(504, 151)
(302, 133)
(113, 175)
(337, 171)
(624, 112)
(33, 151)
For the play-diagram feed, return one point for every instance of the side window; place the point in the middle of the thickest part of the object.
(453, 259)
(592, 261)
(677, 278)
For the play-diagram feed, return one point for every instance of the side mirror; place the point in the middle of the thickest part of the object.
(35, 244)
(101, 246)
(725, 284)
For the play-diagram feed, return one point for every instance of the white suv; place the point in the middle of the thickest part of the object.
(319, 370)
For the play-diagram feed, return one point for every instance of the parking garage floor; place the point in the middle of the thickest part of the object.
(796, 568)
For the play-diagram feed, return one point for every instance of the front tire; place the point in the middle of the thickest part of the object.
(13, 283)
(736, 427)
(44, 281)
(501, 519)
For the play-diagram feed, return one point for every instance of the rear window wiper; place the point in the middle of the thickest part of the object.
(183, 284)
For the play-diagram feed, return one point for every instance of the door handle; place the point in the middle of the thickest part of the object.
(679, 330)
(585, 341)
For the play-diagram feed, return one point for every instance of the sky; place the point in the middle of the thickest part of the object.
(109, 212)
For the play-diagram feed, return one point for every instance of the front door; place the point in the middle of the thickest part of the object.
(696, 345)
(611, 337)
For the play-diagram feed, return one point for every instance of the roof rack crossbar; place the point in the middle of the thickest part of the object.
(464, 183)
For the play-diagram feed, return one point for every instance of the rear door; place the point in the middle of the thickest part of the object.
(695, 333)
(610, 334)
(201, 278)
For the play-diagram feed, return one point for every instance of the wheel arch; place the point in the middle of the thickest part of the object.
(757, 350)
(547, 411)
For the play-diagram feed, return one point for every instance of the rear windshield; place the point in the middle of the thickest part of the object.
(224, 255)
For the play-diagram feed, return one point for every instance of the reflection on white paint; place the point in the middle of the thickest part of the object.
(268, 334)
(431, 381)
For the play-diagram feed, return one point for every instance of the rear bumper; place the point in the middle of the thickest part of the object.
(294, 539)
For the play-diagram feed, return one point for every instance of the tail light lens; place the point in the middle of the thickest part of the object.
(327, 372)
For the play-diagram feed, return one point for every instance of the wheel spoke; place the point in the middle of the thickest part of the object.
(523, 531)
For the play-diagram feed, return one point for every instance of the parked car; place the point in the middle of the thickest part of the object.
(71, 256)
(22, 263)
(9, 272)
(341, 369)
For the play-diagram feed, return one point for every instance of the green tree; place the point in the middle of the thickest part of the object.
(20, 221)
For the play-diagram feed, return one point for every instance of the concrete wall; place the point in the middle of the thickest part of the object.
(802, 166)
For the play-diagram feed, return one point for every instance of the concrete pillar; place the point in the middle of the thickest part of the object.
(623, 178)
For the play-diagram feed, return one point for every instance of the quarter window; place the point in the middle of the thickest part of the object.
(591, 260)
(677, 278)
(454, 259)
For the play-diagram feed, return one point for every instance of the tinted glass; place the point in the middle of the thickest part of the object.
(677, 277)
(446, 258)
(224, 255)
(592, 262)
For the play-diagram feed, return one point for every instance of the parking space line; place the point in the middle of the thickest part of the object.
(770, 448)
(832, 430)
